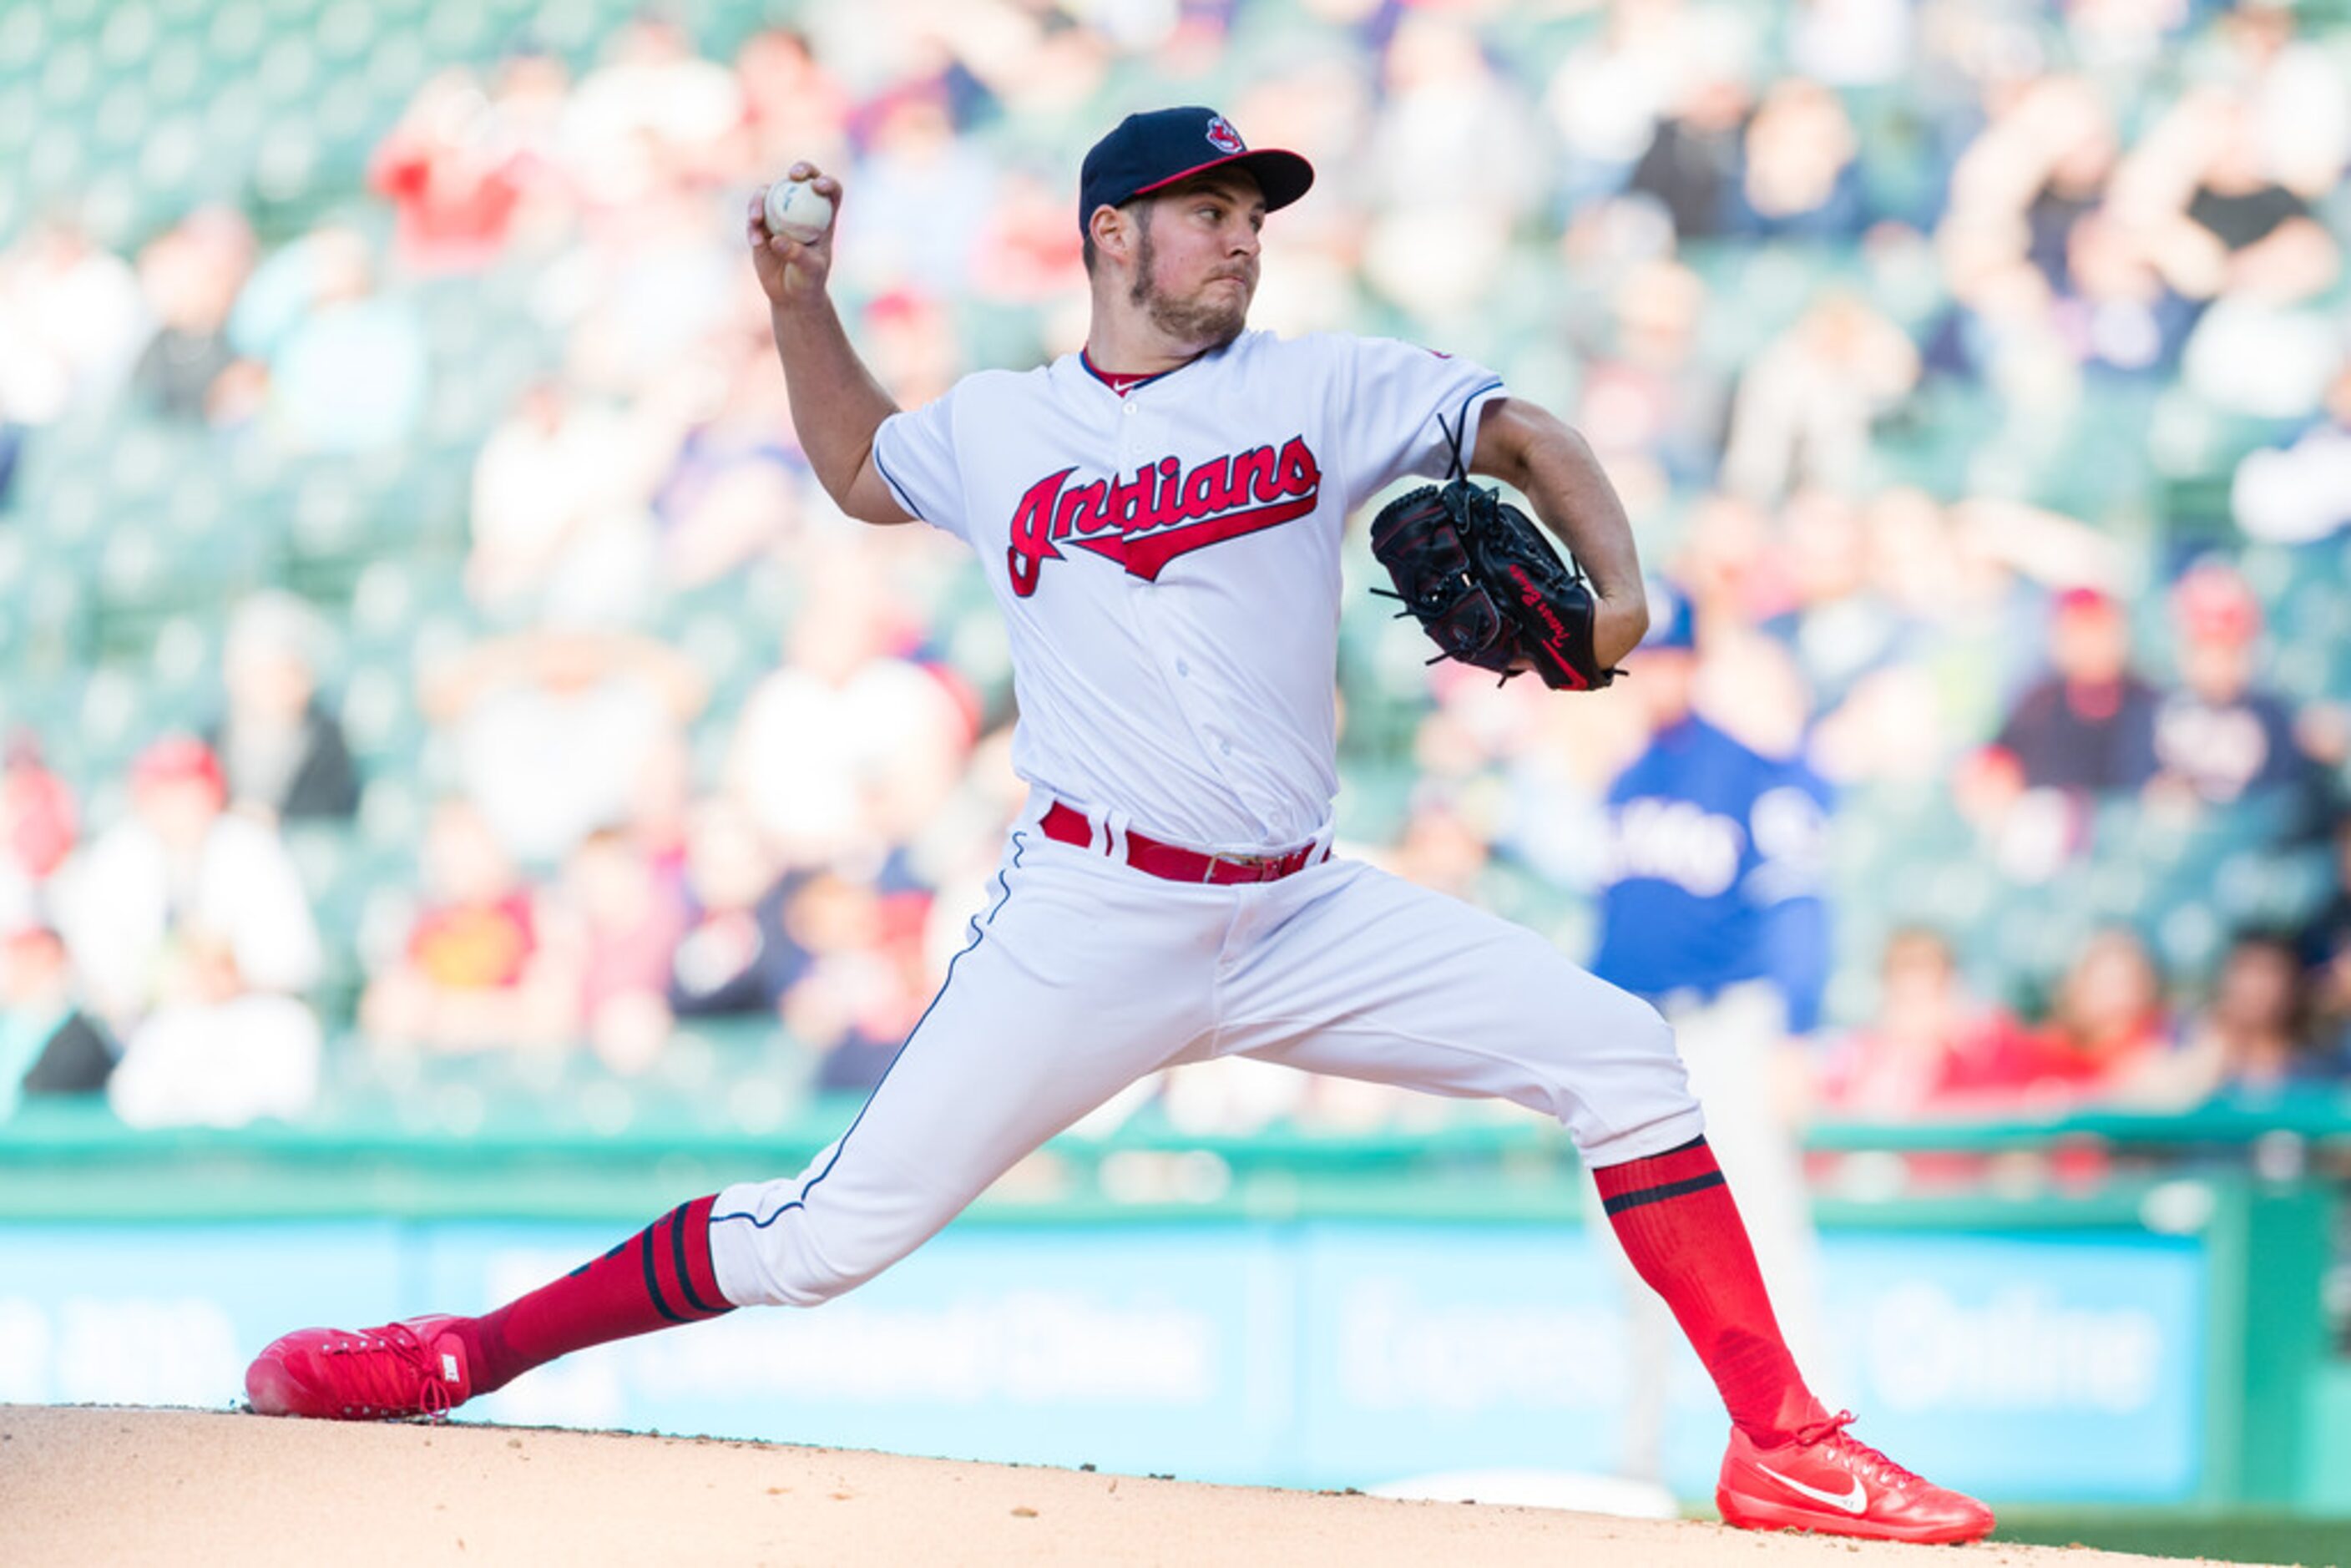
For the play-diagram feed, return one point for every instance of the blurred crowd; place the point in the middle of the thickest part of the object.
(1977, 372)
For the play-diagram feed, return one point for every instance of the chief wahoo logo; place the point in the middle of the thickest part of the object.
(1223, 136)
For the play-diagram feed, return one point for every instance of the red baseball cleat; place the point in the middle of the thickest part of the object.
(411, 1368)
(1825, 1480)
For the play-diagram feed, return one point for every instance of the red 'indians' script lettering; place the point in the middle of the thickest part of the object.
(1162, 511)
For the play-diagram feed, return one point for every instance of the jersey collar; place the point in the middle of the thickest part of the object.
(1122, 384)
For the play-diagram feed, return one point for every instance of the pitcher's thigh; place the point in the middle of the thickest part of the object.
(1382, 980)
(1038, 1023)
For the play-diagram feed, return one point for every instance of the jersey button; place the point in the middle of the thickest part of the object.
(1183, 668)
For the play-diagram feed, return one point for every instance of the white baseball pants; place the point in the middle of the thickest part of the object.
(1084, 974)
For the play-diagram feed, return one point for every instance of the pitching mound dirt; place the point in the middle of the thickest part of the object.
(118, 1486)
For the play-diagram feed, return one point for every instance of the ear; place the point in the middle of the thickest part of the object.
(1113, 232)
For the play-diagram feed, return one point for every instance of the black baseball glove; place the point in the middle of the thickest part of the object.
(1484, 582)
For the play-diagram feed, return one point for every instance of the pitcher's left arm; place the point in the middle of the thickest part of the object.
(1535, 453)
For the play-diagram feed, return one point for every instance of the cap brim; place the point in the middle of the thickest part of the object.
(1283, 177)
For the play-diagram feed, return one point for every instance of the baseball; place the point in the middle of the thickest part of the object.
(797, 212)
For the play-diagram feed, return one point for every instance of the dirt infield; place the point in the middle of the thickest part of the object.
(124, 1486)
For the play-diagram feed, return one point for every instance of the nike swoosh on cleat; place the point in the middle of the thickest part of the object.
(1853, 1501)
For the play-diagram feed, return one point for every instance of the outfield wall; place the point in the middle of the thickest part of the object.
(2148, 1340)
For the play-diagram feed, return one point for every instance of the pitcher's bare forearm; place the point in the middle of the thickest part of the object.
(1534, 452)
(837, 405)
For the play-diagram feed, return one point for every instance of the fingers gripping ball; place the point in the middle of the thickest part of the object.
(796, 211)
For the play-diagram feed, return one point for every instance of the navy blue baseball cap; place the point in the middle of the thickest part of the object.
(1151, 150)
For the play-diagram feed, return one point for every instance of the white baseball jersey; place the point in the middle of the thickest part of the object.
(1169, 561)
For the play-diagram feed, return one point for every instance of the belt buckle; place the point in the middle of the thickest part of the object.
(1260, 868)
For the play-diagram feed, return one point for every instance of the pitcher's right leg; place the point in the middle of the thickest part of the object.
(1080, 977)
(1086, 978)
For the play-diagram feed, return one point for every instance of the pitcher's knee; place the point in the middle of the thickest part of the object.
(811, 1272)
(1631, 1096)
(791, 1261)
(788, 1243)
(1648, 1037)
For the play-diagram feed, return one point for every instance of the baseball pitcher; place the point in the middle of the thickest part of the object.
(1159, 517)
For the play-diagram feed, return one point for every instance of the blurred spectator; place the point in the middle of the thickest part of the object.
(848, 725)
(446, 177)
(733, 490)
(736, 954)
(1609, 92)
(643, 293)
(2255, 1035)
(48, 1044)
(2037, 167)
(613, 930)
(553, 730)
(71, 324)
(470, 975)
(346, 369)
(2200, 190)
(910, 343)
(793, 109)
(216, 1052)
(2303, 490)
(1446, 107)
(1804, 406)
(2218, 739)
(282, 753)
(924, 198)
(661, 809)
(1931, 1047)
(2326, 945)
(653, 114)
(560, 517)
(460, 163)
(38, 825)
(1850, 43)
(2086, 729)
(2214, 216)
(1800, 180)
(191, 274)
(190, 930)
(1442, 846)
(2109, 1034)
(2301, 120)
(1691, 166)
(866, 986)
(1651, 396)
(184, 896)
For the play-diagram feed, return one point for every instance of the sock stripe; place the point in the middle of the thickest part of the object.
(686, 1275)
(1647, 1195)
(652, 1278)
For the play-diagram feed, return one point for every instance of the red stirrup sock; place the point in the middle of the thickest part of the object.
(1682, 1231)
(660, 1277)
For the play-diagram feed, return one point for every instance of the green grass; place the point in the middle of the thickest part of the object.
(2229, 1537)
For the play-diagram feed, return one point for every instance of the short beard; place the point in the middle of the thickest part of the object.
(1187, 321)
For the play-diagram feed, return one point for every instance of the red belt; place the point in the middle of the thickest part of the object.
(1176, 863)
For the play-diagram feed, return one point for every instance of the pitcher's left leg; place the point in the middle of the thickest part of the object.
(1363, 974)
